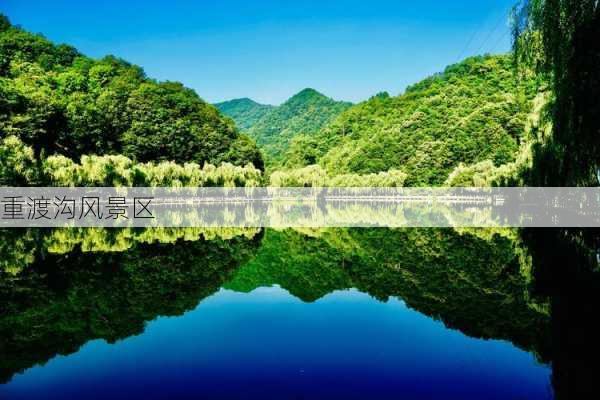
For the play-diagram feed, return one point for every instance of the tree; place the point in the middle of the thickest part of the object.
(17, 163)
(559, 38)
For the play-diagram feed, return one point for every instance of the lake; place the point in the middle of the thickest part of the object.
(299, 314)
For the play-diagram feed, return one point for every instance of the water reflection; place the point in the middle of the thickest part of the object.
(267, 344)
(339, 303)
(566, 273)
(57, 302)
(474, 281)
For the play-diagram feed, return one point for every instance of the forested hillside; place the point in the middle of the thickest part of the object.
(245, 112)
(303, 114)
(474, 111)
(58, 101)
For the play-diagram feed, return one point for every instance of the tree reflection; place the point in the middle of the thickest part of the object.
(565, 271)
(57, 302)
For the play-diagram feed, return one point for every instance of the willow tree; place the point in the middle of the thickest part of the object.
(561, 39)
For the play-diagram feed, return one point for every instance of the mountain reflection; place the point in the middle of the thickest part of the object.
(62, 288)
(475, 281)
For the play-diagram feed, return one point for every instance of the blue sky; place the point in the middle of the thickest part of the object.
(268, 50)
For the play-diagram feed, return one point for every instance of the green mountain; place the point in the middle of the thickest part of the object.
(58, 101)
(474, 111)
(303, 114)
(245, 112)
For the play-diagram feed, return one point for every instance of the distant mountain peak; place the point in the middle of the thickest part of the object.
(241, 101)
(310, 91)
(274, 127)
(307, 93)
(245, 100)
(244, 111)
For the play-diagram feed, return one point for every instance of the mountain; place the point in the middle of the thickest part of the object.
(304, 113)
(474, 111)
(245, 112)
(58, 101)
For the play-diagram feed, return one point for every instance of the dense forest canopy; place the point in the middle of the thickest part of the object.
(58, 101)
(305, 113)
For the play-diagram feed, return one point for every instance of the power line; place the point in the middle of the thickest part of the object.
(500, 39)
(470, 41)
(461, 54)
(503, 17)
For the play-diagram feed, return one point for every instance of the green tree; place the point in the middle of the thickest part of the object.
(17, 163)
(559, 38)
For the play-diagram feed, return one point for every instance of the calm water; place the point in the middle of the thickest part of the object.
(269, 344)
(416, 314)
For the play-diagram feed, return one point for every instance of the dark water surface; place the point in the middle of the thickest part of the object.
(269, 344)
(381, 314)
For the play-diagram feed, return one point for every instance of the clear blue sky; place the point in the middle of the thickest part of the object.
(270, 49)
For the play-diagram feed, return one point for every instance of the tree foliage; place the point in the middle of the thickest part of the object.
(18, 167)
(560, 39)
(17, 163)
(315, 176)
(121, 171)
